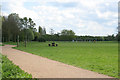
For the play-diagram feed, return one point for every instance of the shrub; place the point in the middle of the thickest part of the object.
(41, 39)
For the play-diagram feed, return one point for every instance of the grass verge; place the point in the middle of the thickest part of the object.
(9, 70)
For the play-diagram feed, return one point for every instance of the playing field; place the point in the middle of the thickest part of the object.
(101, 57)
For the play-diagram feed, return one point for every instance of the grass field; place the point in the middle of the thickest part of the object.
(1, 44)
(9, 70)
(101, 57)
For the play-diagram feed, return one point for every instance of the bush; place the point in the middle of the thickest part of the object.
(118, 36)
(42, 39)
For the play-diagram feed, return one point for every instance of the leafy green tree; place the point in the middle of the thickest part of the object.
(118, 36)
(31, 24)
(22, 35)
(67, 32)
(51, 31)
(5, 29)
(67, 35)
(43, 31)
(27, 24)
(1, 28)
(11, 27)
(36, 36)
(14, 25)
(42, 39)
(30, 35)
(40, 30)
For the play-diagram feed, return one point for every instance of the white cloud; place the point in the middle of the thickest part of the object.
(5, 14)
(75, 18)
(113, 22)
(107, 15)
(17, 7)
(94, 28)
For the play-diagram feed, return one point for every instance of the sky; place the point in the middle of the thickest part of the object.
(84, 17)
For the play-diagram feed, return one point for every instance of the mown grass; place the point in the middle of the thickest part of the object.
(11, 43)
(1, 44)
(9, 70)
(101, 57)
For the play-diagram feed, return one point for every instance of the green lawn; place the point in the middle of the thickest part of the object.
(101, 57)
(1, 44)
(9, 70)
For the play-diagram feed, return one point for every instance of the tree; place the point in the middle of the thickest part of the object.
(67, 32)
(36, 36)
(1, 18)
(43, 31)
(5, 29)
(11, 27)
(22, 35)
(40, 30)
(31, 23)
(27, 24)
(118, 36)
(67, 35)
(51, 31)
(14, 25)
(30, 35)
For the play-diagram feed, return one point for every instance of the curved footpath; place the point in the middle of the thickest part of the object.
(41, 67)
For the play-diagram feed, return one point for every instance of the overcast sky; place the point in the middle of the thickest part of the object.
(84, 17)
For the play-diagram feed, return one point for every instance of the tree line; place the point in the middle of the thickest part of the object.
(15, 28)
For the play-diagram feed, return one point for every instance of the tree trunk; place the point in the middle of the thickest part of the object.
(18, 41)
(26, 41)
(15, 38)
(8, 38)
(3, 39)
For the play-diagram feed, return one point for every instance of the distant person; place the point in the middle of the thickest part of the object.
(72, 40)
